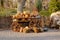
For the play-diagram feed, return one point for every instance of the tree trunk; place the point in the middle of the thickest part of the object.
(14, 3)
(6, 4)
(1, 3)
(20, 5)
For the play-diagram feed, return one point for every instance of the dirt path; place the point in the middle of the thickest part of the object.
(10, 35)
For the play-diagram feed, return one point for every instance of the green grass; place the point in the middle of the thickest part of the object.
(7, 12)
(45, 13)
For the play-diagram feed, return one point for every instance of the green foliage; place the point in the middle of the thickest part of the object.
(39, 5)
(7, 12)
(45, 13)
(54, 6)
(58, 5)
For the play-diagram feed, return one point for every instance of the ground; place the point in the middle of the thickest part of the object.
(10, 35)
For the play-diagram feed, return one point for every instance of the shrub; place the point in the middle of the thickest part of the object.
(54, 5)
(39, 5)
(58, 5)
(7, 12)
(44, 13)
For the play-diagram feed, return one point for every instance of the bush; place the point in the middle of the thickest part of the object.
(7, 12)
(39, 5)
(54, 6)
(58, 5)
(44, 13)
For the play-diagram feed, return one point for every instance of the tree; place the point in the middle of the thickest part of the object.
(20, 5)
(6, 4)
(54, 6)
(1, 3)
(39, 5)
(58, 5)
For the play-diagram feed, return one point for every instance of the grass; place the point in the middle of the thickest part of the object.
(45, 13)
(7, 12)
